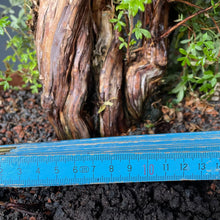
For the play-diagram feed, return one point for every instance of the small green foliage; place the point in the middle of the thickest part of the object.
(140, 32)
(197, 59)
(130, 8)
(118, 23)
(123, 43)
(22, 43)
(4, 22)
(4, 81)
(198, 44)
(149, 125)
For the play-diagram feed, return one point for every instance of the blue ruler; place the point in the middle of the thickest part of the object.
(146, 158)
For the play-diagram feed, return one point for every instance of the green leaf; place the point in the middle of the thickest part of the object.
(181, 59)
(211, 92)
(146, 33)
(34, 89)
(120, 15)
(180, 95)
(122, 6)
(141, 7)
(39, 85)
(122, 24)
(180, 86)
(114, 20)
(200, 81)
(182, 51)
(138, 34)
(213, 81)
(209, 44)
(199, 43)
(4, 22)
(132, 42)
(197, 47)
(208, 72)
(192, 56)
(205, 37)
(180, 18)
(1, 31)
(7, 59)
(190, 76)
(185, 41)
(184, 62)
(6, 85)
(205, 87)
(149, 125)
(213, 3)
(139, 24)
(207, 77)
(121, 46)
(148, 1)
(24, 58)
(35, 73)
(121, 39)
(9, 79)
(13, 58)
(118, 27)
(133, 7)
(217, 75)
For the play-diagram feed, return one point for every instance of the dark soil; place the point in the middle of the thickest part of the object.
(22, 120)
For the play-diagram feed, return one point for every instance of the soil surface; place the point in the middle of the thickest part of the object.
(22, 120)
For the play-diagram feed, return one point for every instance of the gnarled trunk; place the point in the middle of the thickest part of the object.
(143, 75)
(82, 68)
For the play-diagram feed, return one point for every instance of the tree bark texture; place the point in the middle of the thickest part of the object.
(143, 75)
(82, 68)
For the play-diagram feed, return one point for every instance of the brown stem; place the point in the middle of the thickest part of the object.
(129, 37)
(185, 2)
(196, 6)
(216, 25)
(154, 29)
(166, 34)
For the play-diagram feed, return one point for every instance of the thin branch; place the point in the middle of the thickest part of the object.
(166, 34)
(196, 6)
(185, 2)
(216, 25)
(129, 37)
(13, 48)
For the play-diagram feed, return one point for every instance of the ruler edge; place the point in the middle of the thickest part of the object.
(208, 141)
(12, 153)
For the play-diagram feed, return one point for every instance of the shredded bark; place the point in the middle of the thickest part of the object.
(79, 59)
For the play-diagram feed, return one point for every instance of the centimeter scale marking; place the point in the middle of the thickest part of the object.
(145, 158)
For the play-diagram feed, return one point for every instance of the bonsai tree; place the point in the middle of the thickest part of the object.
(99, 62)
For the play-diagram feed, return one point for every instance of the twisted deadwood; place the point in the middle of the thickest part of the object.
(110, 83)
(143, 75)
(108, 64)
(64, 47)
(76, 45)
